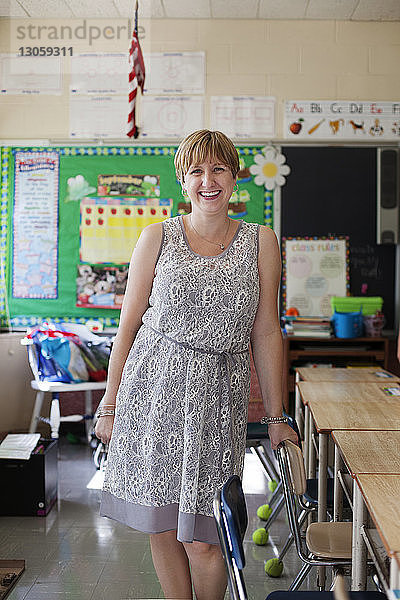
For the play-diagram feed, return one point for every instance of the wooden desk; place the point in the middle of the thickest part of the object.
(369, 451)
(381, 494)
(339, 375)
(373, 453)
(346, 406)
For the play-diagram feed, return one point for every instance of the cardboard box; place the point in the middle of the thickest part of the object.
(29, 487)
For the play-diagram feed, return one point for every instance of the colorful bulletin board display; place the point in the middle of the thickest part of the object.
(110, 227)
(82, 166)
(350, 120)
(314, 269)
(144, 186)
(35, 225)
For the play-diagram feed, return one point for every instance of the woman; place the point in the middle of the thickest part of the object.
(200, 289)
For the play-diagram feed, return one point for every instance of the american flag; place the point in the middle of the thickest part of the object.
(136, 77)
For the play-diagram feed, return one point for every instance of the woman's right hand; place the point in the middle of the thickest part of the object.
(104, 427)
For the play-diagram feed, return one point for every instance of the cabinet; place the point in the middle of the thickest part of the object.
(338, 351)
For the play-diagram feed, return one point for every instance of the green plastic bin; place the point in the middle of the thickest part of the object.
(369, 305)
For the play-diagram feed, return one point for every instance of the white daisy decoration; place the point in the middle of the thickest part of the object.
(269, 168)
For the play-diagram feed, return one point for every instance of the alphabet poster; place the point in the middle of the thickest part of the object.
(314, 270)
(342, 120)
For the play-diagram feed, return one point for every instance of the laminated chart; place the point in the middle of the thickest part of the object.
(110, 227)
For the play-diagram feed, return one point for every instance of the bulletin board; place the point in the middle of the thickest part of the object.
(87, 166)
(314, 270)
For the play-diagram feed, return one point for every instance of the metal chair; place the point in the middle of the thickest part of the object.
(328, 544)
(230, 514)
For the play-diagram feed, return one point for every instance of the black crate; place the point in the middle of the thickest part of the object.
(29, 487)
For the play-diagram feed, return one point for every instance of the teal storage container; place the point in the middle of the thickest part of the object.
(348, 324)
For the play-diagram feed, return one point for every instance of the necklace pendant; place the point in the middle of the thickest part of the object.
(222, 247)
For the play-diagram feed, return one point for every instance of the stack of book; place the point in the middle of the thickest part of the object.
(309, 327)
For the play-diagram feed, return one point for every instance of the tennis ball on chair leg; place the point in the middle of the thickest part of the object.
(274, 567)
(272, 485)
(260, 536)
(264, 512)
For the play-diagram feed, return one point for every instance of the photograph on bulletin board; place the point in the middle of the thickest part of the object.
(100, 287)
(314, 270)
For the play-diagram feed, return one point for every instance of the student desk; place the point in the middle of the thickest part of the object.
(381, 493)
(375, 453)
(344, 375)
(344, 406)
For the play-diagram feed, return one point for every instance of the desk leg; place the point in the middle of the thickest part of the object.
(311, 449)
(359, 550)
(298, 413)
(55, 418)
(394, 583)
(36, 411)
(306, 436)
(322, 485)
(337, 490)
(88, 411)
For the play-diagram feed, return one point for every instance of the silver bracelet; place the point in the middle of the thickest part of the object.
(107, 412)
(272, 420)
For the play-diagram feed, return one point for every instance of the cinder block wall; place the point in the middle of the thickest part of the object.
(286, 59)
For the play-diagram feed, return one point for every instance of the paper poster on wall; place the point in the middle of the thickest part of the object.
(101, 287)
(350, 120)
(110, 227)
(171, 117)
(143, 186)
(39, 75)
(314, 270)
(99, 73)
(243, 117)
(175, 73)
(35, 225)
(97, 116)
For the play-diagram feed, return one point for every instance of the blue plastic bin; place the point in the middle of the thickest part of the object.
(348, 324)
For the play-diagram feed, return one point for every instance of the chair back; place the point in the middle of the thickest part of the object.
(291, 463)
(231, 518)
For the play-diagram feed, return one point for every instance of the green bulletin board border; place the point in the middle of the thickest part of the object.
(23, 321)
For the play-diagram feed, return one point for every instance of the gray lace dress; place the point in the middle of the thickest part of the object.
(181, 414)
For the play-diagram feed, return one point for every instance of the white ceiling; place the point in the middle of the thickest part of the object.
(356, 10)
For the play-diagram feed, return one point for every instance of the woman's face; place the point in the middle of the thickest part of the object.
(209, 185)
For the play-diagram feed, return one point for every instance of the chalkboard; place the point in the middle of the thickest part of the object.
(332, 191)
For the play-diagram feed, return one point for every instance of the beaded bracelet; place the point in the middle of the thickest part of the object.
(273, 420)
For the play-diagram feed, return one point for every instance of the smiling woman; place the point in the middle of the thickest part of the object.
(201, 288)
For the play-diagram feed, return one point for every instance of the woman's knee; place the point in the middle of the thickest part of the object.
(202, 549)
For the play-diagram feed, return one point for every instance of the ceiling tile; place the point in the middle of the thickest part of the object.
(148, 9)
(197, 9)
(377, 10)
(89, 9)
(282, 9)
(46, 8)
(234, 9)
(11, 8)
(333, 9)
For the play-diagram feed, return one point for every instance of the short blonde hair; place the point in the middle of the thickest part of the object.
(203, 144)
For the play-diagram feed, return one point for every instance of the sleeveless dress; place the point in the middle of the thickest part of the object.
(181, 413)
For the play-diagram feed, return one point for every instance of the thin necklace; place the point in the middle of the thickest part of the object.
(220, 244)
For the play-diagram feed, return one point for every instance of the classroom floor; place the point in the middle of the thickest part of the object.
(73, 554)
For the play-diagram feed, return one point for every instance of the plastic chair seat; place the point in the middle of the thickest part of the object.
(330, 540)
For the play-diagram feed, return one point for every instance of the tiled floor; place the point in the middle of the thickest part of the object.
(73, 554)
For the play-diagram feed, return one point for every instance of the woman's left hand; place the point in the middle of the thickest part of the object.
(281, 431)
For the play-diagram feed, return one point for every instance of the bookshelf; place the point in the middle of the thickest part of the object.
(337, 351)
